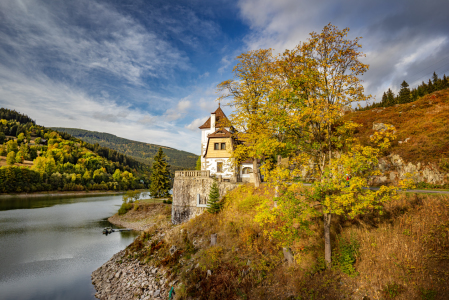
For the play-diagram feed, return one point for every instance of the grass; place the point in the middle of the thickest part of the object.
(400, 254)
(423, 121)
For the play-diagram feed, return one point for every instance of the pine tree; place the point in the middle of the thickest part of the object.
(198, 164)
(384, 101)
(390, 98)
(213, 204)
(445, 82)
(160, 177)
(404, 93)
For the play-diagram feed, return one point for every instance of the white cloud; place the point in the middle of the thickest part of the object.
(108, 42)
(398, 38)
(225, 62)
(183, 105)
(196, 123)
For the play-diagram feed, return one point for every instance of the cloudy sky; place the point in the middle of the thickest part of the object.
(147, 70)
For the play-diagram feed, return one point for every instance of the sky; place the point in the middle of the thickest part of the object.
(148, 70)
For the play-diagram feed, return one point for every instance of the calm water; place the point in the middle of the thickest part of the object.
(49, 247)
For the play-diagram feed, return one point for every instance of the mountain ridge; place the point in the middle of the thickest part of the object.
(141, 151)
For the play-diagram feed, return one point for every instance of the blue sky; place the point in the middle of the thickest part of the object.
(147, 70)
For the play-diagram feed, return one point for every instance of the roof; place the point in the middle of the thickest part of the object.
(220, 133)
(220, 119)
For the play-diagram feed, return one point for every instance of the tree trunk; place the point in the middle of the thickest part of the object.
(256, 173)
(276, 191)
(327, 239)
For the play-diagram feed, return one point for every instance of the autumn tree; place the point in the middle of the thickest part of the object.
(248, 95)
(323, 78)
(160, 176)
(11, 158)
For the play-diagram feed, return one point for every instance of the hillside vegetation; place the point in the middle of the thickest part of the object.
(422, 128)
(398, 254)
(143, 152)
(35, 158)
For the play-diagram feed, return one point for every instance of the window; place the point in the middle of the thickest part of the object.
(216, 146)
(223, 146)
(219, 167)
(247, 170)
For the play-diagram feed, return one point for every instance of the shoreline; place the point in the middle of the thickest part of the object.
(60, 193)
(123, 276)
(137, 226)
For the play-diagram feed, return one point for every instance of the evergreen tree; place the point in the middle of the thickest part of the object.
(384, 101)
(445, 82)
(213, 204)
(430, 87)
(160, 177)
(390, 98)
(198, 164)
(404, 93)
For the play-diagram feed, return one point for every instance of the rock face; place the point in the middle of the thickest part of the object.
(190, 196)
(394, 168)
(120, 278)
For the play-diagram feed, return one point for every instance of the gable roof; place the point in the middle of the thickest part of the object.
(220, 133)
(220, 119)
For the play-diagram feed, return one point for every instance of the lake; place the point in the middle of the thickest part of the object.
(49, 246)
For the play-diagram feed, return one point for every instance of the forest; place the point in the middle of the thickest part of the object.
(34, 158)
(406, 95)
(142, 152)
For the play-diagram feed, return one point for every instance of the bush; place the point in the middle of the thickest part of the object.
(346, 254)
(125, 208)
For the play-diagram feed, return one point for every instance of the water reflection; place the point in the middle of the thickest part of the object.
(49, 247)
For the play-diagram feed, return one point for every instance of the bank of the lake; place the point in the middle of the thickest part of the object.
(60, 194)
(125, 277)
(51, 245)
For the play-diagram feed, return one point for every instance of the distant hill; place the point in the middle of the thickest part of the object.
(143, 152)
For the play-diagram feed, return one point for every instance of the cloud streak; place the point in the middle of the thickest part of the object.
(399, 38)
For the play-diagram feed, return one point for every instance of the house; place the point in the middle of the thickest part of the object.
(191, 188)
(217, 144)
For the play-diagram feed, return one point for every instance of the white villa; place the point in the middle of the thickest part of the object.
(217, 144)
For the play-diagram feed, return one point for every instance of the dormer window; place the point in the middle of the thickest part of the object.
(223, 146)
(216, 146)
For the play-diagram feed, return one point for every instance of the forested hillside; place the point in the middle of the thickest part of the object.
(35, 158)
(142, 152)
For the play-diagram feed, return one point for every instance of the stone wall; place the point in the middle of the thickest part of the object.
(185, 196)
(394, 168)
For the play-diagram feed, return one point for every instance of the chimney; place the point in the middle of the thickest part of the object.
(212, 121)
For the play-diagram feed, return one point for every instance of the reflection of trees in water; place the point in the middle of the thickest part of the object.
(41, 202)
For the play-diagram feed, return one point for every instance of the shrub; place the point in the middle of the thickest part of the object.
(392, 290)
(125, 208)
(346, 254)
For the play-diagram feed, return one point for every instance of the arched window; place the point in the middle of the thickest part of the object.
(247, 170)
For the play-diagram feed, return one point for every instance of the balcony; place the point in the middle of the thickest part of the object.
(192, 174)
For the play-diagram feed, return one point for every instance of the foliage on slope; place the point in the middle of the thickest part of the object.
(143, 152)
(422, 128)
(60, 163)
(400, 254)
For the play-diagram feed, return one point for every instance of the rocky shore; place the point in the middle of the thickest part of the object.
(123, 278)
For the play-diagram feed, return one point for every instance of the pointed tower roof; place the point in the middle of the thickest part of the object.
(220, 119)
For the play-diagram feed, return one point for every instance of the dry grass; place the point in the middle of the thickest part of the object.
(403, 254)
(423, 121)
(143, 216)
